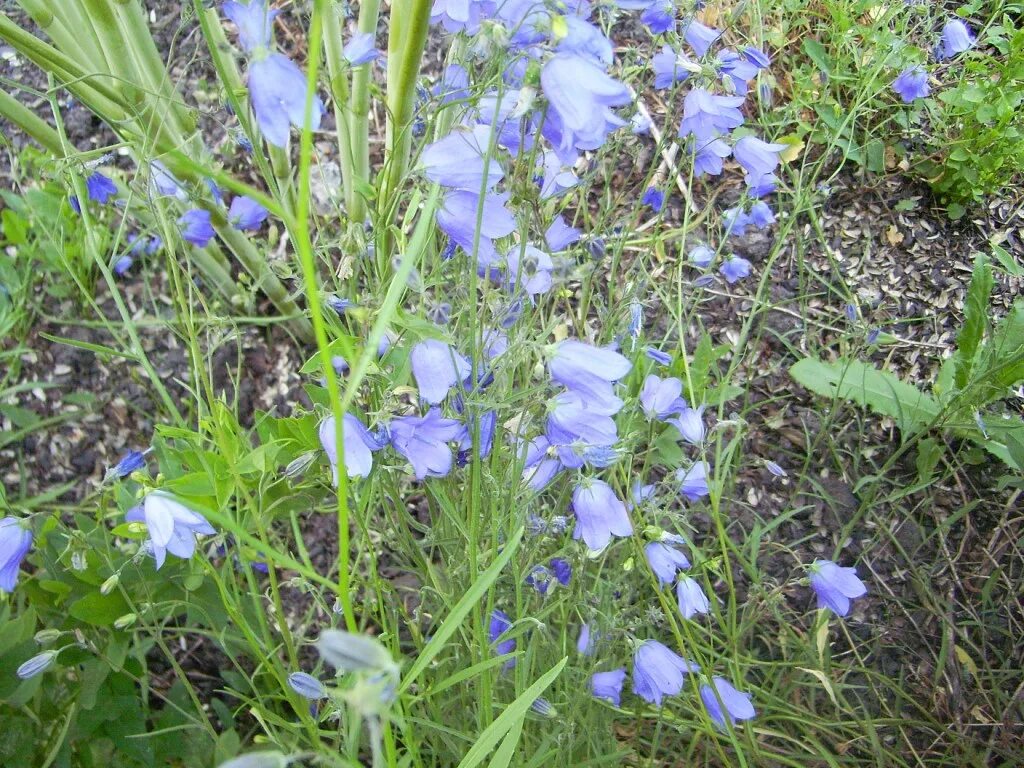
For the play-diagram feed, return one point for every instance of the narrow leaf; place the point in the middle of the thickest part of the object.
(516, 711)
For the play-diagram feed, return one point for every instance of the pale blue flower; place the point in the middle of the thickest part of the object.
(172, 526)
(360, 49)
(245, 213)
(700, 37)
(600, 514)
(437, 368)
(734, 269)
(912, 84)
(608, 685)
(277, 90)
(15, 542)
(691, 598)
(737, 705)
(659, 672)
(665, 561)
(836, 586)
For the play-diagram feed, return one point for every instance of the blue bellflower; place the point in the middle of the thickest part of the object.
(758, 158)
(724, 703)
(599, 515)
(691, 598)
(307, 686)
(734, 269)
(457, 160)
(708, 157)
(700, 37)
(661, 358)
(424, 442)
(560, 235)
(196, 227)
(701, 256)
(358, 445)
(530, 268)
(360, 49)
(580, 366)
(693, 482)
(658, 672)
(665, 560)
(659, 16)
(172, 526)
(461, 15)
(690, 423)
(667, 70)
(277, 90)
(254, 22)
(912, 83)
(100, 188)
(660, 398)
(608, 685)
(437, 368)
(956, 38)
(654, 198)
(130, 462)
(245, 213)
(707, 115)
(581, 96)
(836, 586)
(15, 542)
(458, 217)
(499, 624)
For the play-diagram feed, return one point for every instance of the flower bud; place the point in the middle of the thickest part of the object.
(108, 586)
(47, 636)
(37, 664)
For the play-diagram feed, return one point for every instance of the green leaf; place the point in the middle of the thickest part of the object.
(929, 451)
(816, 52)
(867, 386)
(461, 610)
(99, 610)
(504, 754)
(515, 712)
(975, 320)
(1007, 260)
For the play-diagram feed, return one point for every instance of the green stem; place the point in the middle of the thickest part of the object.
(152, 70)
(410, 20)
(21, 116)
(304, 247)
(98, 97)
(337, 70)
(369, 14)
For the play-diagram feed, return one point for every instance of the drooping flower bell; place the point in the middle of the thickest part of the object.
(835, 586)
(15, 542)
(658, 672)
(912, 84)
(600, 514)
(724, 703)
(172, 526)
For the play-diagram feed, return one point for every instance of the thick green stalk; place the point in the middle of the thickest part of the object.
(30, 123)
(57, 27)
(152, 69)
(412, 17)
(107, 103)
(359, 116)
(337, 70)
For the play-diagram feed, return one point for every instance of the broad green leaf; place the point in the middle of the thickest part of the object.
(975, 320)
(99, 610)
(461, 610)
(515, 712)
(865, 385)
